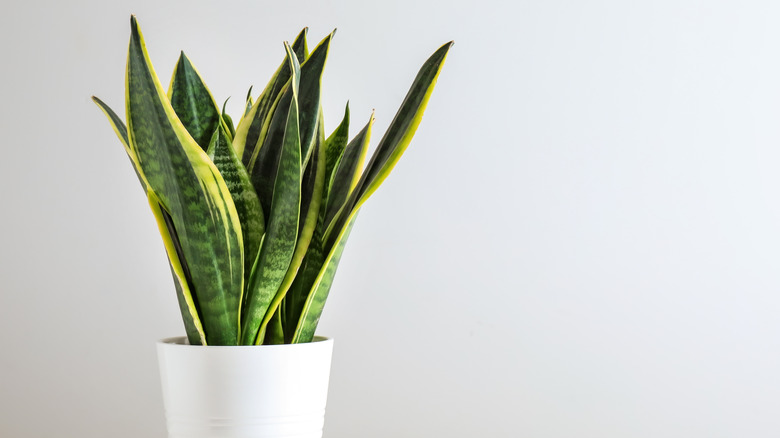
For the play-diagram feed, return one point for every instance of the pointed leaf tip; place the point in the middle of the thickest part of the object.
(133, 24)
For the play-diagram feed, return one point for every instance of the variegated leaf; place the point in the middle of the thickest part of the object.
(347, 172)
(193, 103)
(250, 132)
(393, 144)
(191, 189)
(244, 197)
(282, 227)
(181, 274)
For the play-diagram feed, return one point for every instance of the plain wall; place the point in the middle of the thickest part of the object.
(583, 239)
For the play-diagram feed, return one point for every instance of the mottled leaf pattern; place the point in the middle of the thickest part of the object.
(309, 96)
(180, 271)
(121, 131)
(282, 229)
(244, 197)
(334, 148)
(254, 217)
(311, 200)
(191, 189)
(193, 103)
(250, 133)
(393, 144)
(315, 302)
(347, 172)
(228, 120)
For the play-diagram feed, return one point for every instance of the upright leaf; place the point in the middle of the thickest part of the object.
(274, 334)
(309, 97)
(121, 131)
(250, 214)
(390, 149)
(312, 284)
(347, 172)
(251, 130)
(248, 105)
(181, 275)
(395, 141)
(191, 189)
(311, 200)
(262, 171)
(193, 103)
(319, 290)
(179, 270)
(334, 148)
(282, 229)
(228, 120)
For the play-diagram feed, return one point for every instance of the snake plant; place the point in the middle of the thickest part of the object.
(254, 217)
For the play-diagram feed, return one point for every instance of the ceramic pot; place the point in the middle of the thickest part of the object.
(259, 391)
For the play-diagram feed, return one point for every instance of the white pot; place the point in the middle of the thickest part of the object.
(245, 392)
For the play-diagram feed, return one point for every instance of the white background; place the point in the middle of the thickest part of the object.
(583, 240)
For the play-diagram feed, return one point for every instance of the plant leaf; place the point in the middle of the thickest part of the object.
(181, 279)
(248, 104)
(228, 120)
(121, 131)
(334, 148)
(303, 287)
(311, 200)
(282, 228)
(250, 214)
(191, 189)
(393, 144)
(275, 331)
(320, 288)
(193, 103)
(309, 96)
(250, 132)
(347, 172)
(181, 275)
(391, 147)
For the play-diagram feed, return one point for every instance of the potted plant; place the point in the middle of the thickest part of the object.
(254, 218)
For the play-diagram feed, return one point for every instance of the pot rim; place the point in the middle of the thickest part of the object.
(181, 341)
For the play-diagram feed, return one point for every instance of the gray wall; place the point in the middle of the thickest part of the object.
(582, 241)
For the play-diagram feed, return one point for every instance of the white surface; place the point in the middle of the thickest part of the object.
(582, 241)
(244, 392)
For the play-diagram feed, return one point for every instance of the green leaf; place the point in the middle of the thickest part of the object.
(395, 141)
(309, 97)
(282, 229)
(303, 287)
(275, 332)
(319, 289)
(334, 148)
(250, 132)
(299, 291)
(181, 275)
(243, 194)
(261, 165)
(311, 200)
(191, 190)
(179, 271)
(347, 172)
(228, 120)
(121, 131)
(391, 147)
(193, 103)
(248, 105)
(313, 184)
